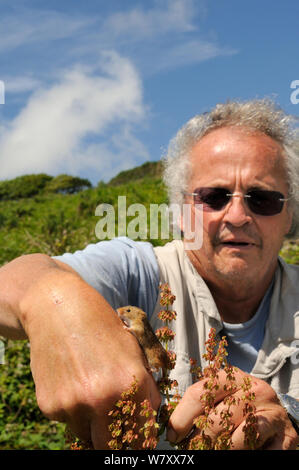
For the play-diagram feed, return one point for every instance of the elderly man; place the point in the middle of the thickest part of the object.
(238, 166)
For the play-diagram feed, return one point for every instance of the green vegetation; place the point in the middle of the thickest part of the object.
(23, 186)
(29, 185)
(290, 251)
(66, 184)
(147, 170)
(39, 213)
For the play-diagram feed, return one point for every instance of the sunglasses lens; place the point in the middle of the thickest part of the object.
(211, 198)
(261, 202)
(265, 202)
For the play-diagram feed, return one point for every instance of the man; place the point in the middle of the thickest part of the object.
(237, 164)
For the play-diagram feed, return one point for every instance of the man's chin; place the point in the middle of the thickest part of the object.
(233, 268)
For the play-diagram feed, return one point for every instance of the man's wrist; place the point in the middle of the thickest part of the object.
(52, 290)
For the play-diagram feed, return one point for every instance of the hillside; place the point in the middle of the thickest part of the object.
(39, 213)
(55, 216)
(147, 170)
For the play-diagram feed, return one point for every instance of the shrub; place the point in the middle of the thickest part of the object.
(23, 186)
(67, 184)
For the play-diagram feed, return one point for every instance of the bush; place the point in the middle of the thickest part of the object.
(66, 184)
(23, 186)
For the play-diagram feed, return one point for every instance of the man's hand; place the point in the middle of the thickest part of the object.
(82, 358)
(274, 428)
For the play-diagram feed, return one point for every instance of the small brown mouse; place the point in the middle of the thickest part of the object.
(135, 321)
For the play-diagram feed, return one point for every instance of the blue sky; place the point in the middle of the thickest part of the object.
(96, 87)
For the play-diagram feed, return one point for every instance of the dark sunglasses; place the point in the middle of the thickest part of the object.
(259, 201)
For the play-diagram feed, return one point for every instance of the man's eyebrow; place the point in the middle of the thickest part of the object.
(261, 187)
(213, 184)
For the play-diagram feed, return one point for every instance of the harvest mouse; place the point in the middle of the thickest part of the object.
(135, 321)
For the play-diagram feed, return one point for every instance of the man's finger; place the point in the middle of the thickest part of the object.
(191, 406)
(273, 434)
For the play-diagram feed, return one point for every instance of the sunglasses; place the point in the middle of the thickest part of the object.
(259, 201)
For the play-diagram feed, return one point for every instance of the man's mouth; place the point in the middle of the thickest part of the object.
(237, 243)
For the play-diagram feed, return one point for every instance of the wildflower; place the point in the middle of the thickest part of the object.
(150, 428)
(167, 315)
(165, 334)
(200, 442)
(210, 346)
(124, 421)
(172, 359)
(251, 435)
(195, 370)
(166, 297)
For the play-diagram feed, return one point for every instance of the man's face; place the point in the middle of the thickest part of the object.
(237, 243)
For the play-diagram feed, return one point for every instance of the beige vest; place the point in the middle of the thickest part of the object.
(278, 359)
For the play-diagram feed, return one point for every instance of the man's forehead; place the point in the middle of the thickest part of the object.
(227, 139)
(228, 152)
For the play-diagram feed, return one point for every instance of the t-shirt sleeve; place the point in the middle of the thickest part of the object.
(123, 271)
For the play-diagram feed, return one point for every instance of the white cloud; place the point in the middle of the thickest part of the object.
(34, 26)
(21, 84)
(156, 35)
(162, 37)
(52, 131)
(171, 16)
(28, 26)
(83, 121)
(120, 151)
(190, 52)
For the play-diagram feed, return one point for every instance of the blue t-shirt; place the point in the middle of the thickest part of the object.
(126, 272)
(123, 271)
(245, 339)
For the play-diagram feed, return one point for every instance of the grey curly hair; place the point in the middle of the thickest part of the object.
(255, 115)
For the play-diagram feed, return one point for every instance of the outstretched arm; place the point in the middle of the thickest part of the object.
(81, 356)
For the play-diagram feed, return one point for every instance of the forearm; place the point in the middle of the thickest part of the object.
(81, 356)
(21, 281)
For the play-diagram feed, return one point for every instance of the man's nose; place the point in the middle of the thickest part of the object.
(237, 212)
